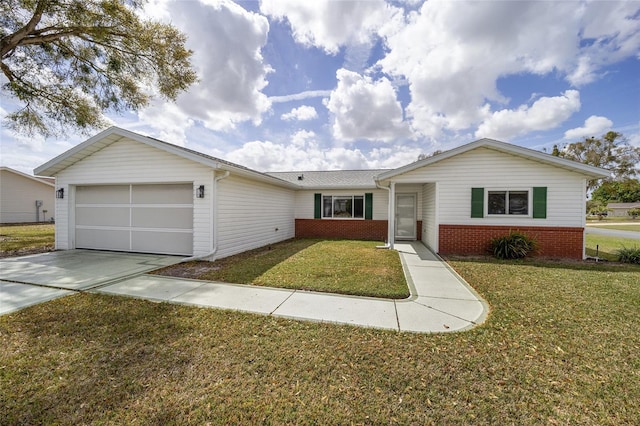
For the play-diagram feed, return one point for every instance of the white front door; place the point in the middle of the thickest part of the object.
(405, 217)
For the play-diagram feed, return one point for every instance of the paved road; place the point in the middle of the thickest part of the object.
(613, 232)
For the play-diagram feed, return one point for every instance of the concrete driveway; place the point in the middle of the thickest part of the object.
(29, 280)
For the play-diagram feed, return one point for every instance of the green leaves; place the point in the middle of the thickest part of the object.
(516, 245)
(70, 61)
(611, 151)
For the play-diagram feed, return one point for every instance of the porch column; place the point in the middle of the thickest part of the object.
(392, 214)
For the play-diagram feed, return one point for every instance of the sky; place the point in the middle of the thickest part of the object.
(289, 85)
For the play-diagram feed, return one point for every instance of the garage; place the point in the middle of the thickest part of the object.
(145, 218)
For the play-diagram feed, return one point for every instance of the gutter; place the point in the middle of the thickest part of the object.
(214, 241)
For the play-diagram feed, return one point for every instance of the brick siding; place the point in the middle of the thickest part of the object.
(375, 230)
(564, 242)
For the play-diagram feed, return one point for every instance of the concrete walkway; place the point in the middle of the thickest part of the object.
(440, 300)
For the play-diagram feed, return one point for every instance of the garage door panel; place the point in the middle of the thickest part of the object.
(141, 218)
(162, 194)
(102, 239)
(102, 216)
(102, 194)
(171, 217)
(162, 242)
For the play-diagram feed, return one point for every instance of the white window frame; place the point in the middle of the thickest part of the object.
(507, 214)
(333, 196)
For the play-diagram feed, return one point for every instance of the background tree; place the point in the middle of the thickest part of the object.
(618, 191)
(67, 62)
(611, 151)
(433, 154)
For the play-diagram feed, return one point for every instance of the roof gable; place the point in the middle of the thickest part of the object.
(114, 134)
(541, 157)
(44, 181)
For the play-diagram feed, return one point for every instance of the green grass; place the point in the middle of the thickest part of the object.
(24, 239)
(630, 228)
(335, 266)
(608, 245)
(560, 346)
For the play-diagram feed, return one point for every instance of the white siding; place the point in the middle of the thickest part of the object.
(18, 195)
(304, 201)
(128, 161)
(252, 214)
(429, 216)
(489, 168)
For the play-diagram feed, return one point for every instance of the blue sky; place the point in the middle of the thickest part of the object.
(316, 85)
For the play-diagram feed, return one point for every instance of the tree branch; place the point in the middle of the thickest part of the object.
(11, 41)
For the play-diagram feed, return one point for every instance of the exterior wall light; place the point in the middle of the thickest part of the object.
(200, 191)
(60, 193)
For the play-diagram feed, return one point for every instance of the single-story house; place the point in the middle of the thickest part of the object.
(122, 191)
(621, 209)
(25, 198)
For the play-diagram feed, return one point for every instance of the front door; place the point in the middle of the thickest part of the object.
(405, 216)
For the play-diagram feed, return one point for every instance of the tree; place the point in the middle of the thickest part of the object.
(433, 154)
(611, 151)
(620, 191)
(68, 61)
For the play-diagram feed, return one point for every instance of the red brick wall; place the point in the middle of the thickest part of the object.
(562, 242)
(350, 229)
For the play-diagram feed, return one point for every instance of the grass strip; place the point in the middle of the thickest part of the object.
(607, 245)
(23, 239)
(335, 266)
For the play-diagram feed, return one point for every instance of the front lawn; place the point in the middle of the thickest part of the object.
(335, 266)
(17, 240)
(607, 246)
(560, 346)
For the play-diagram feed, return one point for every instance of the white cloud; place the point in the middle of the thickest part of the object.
(365, 109)
(330, 25)
(227, 42)
(305, 153)
(302, 113)
(611, 33)
(593, 126)
(453, 53)
(170, 123)
(545, 113)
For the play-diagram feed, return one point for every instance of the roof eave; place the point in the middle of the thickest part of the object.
(585, 169)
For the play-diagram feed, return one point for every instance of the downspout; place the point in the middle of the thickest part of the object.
(390, 221)
(214, 212)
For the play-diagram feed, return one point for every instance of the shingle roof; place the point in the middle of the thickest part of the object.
(334, 179)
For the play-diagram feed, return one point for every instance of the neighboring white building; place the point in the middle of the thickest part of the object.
(124, 191)
(25, 198)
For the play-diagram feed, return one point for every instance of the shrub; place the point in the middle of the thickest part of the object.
(629, 255)
(516, 245)
(634, 213)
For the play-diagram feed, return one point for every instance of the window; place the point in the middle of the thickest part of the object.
(508, 202)
(343, 206)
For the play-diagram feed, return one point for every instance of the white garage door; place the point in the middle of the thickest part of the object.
(136, 218)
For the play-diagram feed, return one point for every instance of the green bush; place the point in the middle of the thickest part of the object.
(516, 245)
(629, 255)
(634, 213)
